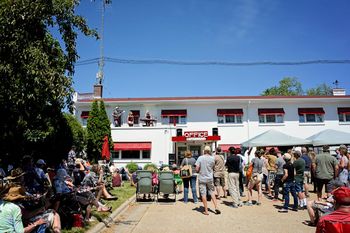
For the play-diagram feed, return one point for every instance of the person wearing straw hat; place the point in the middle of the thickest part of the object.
(10, 213)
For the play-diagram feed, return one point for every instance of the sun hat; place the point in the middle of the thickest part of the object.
(40, 162)
(15, 193)
(342, 195)
(16, 173)
(287, 156)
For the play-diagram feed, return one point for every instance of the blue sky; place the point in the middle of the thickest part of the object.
(207, 30)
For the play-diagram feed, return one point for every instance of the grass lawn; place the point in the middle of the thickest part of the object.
(123, 193)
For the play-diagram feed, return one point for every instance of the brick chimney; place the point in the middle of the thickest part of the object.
(98, 91)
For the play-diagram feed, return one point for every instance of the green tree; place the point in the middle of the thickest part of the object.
(322, 89)
(287, 87)
(98, 126)
(35, 71)
(77, 131)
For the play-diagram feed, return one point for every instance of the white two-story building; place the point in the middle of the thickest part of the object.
(190, 123)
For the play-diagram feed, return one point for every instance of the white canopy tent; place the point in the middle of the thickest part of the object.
(330, 137)
(275, 138)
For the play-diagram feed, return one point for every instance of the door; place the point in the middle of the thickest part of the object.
(196, 151)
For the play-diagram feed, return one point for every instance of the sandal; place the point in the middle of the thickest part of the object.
(217, 211)
(205, 213)
(104, 209)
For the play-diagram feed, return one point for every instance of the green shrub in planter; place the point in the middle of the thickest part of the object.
(150, 167)
(132, 167)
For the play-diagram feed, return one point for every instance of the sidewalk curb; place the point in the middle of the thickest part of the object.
(101, 226)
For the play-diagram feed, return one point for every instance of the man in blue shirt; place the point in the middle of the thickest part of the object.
(307, 172)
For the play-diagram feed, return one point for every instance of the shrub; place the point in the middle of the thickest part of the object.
(132, 167)
(150, 167)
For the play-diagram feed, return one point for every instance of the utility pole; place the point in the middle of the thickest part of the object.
(101, 62)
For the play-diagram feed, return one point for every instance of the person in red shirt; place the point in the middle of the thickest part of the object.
(339, 220)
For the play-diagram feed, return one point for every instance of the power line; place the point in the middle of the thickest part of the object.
(209, 63)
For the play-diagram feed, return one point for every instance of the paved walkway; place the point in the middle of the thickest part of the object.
(179, 217)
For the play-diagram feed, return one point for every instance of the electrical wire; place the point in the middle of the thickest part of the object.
(210, 63)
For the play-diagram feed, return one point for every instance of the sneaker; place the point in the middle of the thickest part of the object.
(248, 203)
(233, 206)
(294, 209)
(240, 205)
(283, 211)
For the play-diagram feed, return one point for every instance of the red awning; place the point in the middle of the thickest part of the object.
(132, 146)
(225, 147)
(85, 114)
(302, 111)
(229, 112)
(176, 112)
(343, 110)
(135, 113)
(270, 111)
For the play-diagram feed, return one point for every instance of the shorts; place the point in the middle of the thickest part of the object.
(299, 187)
(307, 177)
(321, 210)
(255, 179)
(205, 187)
(321, 182)
(219, 181)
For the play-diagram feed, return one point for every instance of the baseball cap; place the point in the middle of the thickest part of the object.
(40, 162)
(342, 195)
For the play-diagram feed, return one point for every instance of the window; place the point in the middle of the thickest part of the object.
(230, 116)
(174, 117)
(132, 150)
(84, 116)
(271, 115)
(344, 114)
(311, 115)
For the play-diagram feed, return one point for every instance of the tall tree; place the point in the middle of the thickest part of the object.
(287, 87)
(322, 89)
(35, 71)
(77, 131)
(98, 126)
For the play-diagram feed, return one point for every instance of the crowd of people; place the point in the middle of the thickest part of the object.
(280, 176)
(38, 198)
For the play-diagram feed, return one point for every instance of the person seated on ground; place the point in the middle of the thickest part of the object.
(63, 185)
(340, 217)
(95, 179)
(117, 178)
(32, 182)
(78, 172)
(317, 209)
(32, 206)
(39, 168)
(11, 214)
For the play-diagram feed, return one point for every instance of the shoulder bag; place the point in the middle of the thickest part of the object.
(186, 171)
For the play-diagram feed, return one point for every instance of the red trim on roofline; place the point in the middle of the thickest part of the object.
(215, 98)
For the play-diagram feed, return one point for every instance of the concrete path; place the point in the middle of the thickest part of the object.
(179, 217)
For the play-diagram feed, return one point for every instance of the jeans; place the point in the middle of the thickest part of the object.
(277, 185)
(289, 186)
(187, 181)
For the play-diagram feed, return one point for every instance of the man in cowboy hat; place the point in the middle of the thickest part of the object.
(10, 213)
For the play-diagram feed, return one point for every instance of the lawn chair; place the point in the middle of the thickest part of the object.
(166, 184)
(144, 183)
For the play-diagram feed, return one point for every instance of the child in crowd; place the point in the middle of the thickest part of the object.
(177, 178)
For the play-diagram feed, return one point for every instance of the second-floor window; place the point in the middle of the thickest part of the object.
(84, 116)
(230, 116)
(311, 115)
(271, 115)
(344, 114)
(174, 116)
